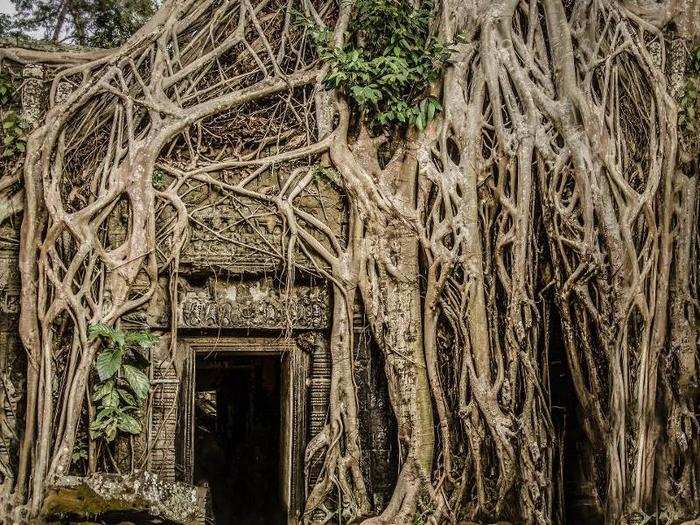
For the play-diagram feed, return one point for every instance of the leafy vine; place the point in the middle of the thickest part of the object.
(389, 63)
(123, 384)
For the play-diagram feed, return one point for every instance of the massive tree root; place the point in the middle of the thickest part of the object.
(552, 165)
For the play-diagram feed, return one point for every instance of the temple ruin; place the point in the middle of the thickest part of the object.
(240, 325)
(381, 262)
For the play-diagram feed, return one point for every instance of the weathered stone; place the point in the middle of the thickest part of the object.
(92, 496)
(254, 305)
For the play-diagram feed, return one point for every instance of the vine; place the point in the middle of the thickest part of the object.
(389, 62)
(122, 384)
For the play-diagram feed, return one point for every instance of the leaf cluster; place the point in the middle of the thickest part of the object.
(389, 62)
(321, 173)
(123, 385)
(99, 23)
(694, 65)
(14, 128)
(14, 134)
(158, 179)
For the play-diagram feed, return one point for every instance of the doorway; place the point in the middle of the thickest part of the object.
(237, 436)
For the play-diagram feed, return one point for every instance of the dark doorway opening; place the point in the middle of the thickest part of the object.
(237, 436)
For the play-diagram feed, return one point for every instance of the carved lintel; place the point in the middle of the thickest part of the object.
(255, 305)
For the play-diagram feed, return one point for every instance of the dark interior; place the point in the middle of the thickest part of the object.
(237, 437)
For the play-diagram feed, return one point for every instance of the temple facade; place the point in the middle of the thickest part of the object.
(245, 386)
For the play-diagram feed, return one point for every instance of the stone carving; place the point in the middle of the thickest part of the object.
(9, 399)
(165, 384)
(9, 283)
(254, 305)
(316, 345)
(227, 234)
(243, 235)
(33, 94)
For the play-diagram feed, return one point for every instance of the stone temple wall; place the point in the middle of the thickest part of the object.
(228, 290)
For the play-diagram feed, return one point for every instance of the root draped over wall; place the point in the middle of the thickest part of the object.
(553, 165)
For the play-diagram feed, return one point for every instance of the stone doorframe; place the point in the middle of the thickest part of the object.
(295, 370)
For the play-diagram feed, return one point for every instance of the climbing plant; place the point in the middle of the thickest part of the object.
(388, 63)
(14, 128)
(122, 384)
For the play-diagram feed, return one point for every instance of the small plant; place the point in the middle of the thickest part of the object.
(6, 89)
(695, 61)
(158, 179)
(14, 130)
(320, 173)
(426, 508)
(80, 450)
(389, 63)
(123, 386)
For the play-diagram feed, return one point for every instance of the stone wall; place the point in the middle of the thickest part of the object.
(230, 286)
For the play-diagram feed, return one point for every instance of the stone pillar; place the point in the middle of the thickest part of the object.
(34, 95)
(162, 417)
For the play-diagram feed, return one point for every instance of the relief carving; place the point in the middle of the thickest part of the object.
(254, 305)
(9, 283)
(221, 235)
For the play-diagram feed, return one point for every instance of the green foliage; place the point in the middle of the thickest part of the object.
(425, 509)
(80, 450)
(695, 61)
(99, 23)
(688, 103)
(158, 179)
(6, 90)
(14, 128)
(320, 173)
(389, 63)
(123, 385)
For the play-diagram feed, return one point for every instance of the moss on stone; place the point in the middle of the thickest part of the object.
(99, 494)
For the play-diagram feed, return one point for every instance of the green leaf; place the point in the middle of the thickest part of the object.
(433, 107)
(138, 381)
(110, 430)
(111, 400)
(102, 390)
(419, 121)
(128, 424)
(143, 339)
(104, 416)
(79, 454)
(111, 334)
(108, 362)
(98, 425)
(127, 397)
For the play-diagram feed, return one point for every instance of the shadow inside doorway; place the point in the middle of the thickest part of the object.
(237, 437)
